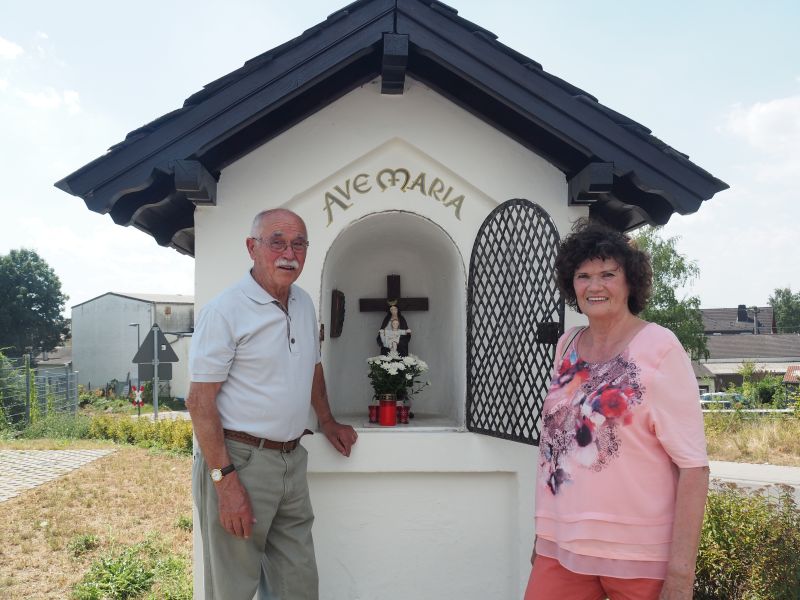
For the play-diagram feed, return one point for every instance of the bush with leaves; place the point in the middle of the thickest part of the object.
(167, 434)
(750, 547)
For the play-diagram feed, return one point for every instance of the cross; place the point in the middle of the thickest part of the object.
(392, 294)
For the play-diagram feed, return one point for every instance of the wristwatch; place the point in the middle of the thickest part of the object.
(218, 474)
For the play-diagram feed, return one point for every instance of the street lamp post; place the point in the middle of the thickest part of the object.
(138, 343)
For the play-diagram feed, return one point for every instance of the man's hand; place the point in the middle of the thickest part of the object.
(235, 510)
(342, 437)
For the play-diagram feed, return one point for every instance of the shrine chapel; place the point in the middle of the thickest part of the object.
(436, 169)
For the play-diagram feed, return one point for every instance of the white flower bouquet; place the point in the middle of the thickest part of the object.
(395, 374)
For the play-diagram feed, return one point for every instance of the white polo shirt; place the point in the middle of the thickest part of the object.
(264, 357)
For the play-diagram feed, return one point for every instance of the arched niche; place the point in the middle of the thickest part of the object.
(430, 265)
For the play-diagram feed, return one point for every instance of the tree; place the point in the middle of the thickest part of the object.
(672, 270)
(31, 303)
(786, 307)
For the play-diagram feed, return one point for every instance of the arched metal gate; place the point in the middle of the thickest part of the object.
(514, 317)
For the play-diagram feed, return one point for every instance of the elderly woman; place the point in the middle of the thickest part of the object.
(623, 471)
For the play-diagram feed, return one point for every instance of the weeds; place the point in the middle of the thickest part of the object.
(184, 522)
(135, 570)
(83, 544)
(741, 437)
(118, 575)
(58, 426)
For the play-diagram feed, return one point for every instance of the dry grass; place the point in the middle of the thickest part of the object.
(773, 440)
(122, 499)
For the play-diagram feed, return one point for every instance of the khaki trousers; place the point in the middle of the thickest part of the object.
(277, 562)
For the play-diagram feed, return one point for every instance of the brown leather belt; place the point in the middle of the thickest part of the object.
(285, 447)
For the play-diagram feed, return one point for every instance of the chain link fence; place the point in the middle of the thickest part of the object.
(28, 394)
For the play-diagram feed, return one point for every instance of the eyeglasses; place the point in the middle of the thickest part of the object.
(279, 245)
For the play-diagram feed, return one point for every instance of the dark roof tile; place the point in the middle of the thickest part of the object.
(224, 120)
(748, 346)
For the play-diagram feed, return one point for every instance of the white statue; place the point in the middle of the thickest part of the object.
(390, 337)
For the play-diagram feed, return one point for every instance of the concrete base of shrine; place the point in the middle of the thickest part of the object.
(420, 513)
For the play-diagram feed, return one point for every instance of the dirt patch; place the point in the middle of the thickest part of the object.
(121, 499)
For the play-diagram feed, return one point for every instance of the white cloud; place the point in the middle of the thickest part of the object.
(72, 101)
(772, 126)
(9, 50)
(3, 85)
(773, 129)
(50, 99)
(42, 35)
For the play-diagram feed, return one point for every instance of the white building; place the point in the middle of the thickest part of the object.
(413, 144)
(107, 331)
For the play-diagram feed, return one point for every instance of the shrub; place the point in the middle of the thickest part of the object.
(749, 548)
(58, 426)
(172, 435)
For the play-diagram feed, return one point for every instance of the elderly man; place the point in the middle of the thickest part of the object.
(255, 370)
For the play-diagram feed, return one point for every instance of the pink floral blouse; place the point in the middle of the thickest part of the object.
(613, 437)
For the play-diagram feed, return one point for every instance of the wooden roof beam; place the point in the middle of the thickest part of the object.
(395, 61)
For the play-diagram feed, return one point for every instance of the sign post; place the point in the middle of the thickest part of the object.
(154, 357)
(155, 371)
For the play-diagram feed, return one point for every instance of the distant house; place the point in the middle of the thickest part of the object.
(792, 377)
(727, 321)
(59, 358)
(771, 353)
(107, 331)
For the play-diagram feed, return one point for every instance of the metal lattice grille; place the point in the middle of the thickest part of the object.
(513, 302)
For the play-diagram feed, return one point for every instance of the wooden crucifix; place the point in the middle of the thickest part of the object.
(390, 305)
(392, 295)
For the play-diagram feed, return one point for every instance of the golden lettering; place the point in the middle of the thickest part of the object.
(437, 186)
(457, 202)
(359, 185)
(446, 196)
(420, 183)
(342, 192)
(330, 200)
(392, 173)
(341, 195)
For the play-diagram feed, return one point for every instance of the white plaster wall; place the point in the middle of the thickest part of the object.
(179, 385)
(449, 517)
(175, 318)
(420, 513)
(429, 266)
(103, 344)
(365, 129)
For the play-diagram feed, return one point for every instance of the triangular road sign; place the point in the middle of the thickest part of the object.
(146, 353)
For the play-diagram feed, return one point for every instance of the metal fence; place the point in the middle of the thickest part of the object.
(29, 394)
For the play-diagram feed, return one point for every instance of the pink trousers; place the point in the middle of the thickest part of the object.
(550, 580)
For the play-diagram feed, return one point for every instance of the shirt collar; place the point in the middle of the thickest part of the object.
(258, 294)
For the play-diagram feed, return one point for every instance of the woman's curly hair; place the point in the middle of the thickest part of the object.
(592, 239)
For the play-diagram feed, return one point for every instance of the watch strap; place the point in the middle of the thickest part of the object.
(229, 469)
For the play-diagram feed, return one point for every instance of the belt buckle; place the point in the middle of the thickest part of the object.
(284, 449)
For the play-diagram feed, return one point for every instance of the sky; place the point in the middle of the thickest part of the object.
(718, 80)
